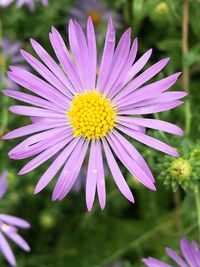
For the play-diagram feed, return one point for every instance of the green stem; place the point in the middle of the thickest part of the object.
(186, 70)
(197, 201)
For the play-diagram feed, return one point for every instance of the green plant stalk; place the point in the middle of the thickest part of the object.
(197, 201)
(186, 71)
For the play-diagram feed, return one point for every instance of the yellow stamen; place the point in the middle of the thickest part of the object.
(92, 116)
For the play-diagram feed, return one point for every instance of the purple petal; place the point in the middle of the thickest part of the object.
(47, 74)
(12, 220)
(153, 124)
(92, 50)
(51, 64)
(106, 57)
(65, 60)
(15, 237)
(101, 189)
(142, 78)
(33, 100)
(72, 170)
(6, 250)
(116, 173)
(151, 108)
(173, 255)
(185, 248)
(91, 181)
(151, 262)
(55, 166)
(130, 163)
(149, 141)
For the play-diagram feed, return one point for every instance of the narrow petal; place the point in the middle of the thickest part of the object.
(33, 100)
(106, 57)
(149, 141)
(70, 171)
(174, 256)
(33, 128)
(148, 91)
(6, 250)
(134, 154)
(130, 163)
(120, 83)
(63, 56)
(91, 41)
(151, 262)
(51, 64)
(101, 188)
(153, 124)
(119, 59)
(142, 78)
(139, 64)
(44, 156)
(37, 85)
(116, 173)
(91, 181)
(12, 220)
(47, 74)
(185, 248)
(151, 109)
(55, 166)
(38, 112)
(15, 237)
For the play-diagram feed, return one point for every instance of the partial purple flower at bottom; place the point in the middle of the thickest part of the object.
(9, 229)
(20, 3)
(190, 252)
(9, 55)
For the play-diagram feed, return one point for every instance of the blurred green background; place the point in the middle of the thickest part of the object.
(64, 233)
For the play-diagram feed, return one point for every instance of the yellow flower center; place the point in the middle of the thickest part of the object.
(92, 115)
(96, 16)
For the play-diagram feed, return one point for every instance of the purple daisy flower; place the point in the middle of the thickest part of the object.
(190, 253)
(20, 3)
(94, 9)
(81, 112)
(9, 228)
(10, 55)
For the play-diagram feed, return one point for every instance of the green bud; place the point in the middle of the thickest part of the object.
(47, 220)
(180, 169)
(161, 9)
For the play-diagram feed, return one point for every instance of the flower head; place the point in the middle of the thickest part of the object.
(78, 112)
(9, 55)
(9, 227)
(20, 3)
(190, 253)
(94, 9)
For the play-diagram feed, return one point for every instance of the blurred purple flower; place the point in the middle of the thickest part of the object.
(9, 56)
(20, 3)
(95, 9)
(190, 251)
(79, 110)
(8, 228)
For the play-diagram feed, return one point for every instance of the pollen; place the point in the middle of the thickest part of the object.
(91, 115)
